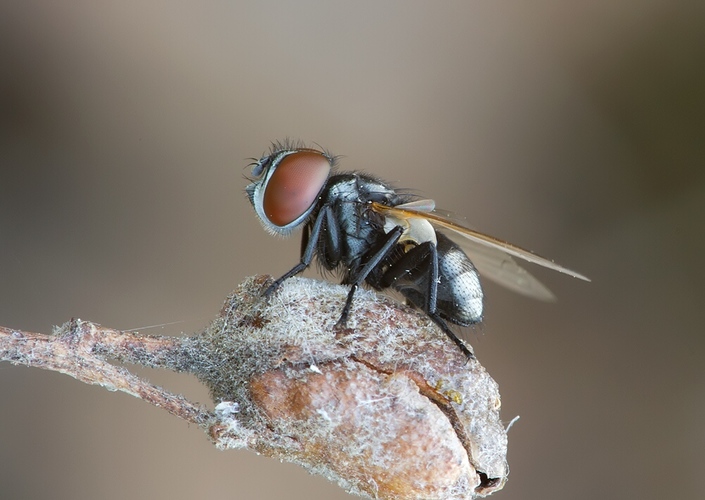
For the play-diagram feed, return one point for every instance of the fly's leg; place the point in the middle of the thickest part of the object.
(424, 259)
(391, 239)
(311, 238)
(452, 336)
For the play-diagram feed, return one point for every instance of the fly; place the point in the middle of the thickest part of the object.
(371, 233)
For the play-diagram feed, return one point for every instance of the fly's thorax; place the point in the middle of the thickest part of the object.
(341, 188)
(357, 188)
(350, 196)
(360, 228)
(360, 190)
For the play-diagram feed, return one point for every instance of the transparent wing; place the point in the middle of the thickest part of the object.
(491, 256)
(498, 266)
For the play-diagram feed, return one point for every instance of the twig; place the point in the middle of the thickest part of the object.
(78, 349)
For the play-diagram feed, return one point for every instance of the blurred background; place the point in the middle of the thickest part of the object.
(576, 129)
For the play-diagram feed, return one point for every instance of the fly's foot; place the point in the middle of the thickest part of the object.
(452, 336)
(341, 329)
(270, 290)
(273, 287)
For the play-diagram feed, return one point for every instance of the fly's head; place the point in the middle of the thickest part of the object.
(286, 185)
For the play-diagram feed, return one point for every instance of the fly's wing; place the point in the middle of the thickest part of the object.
(498, 266)
(491, 256)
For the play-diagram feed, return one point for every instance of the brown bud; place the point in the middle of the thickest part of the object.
(388, 407)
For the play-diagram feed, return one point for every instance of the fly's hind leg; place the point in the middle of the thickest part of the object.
(422, 262)
(452, 336)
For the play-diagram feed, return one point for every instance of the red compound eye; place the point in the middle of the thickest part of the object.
(294, 186)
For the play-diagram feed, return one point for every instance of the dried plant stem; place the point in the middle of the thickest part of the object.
(388, 407)
(79, 349)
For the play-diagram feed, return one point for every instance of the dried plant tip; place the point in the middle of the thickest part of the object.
(389, 408)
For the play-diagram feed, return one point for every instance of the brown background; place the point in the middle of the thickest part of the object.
(575, 130)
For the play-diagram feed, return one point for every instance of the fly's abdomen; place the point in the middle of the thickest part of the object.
(459, 290)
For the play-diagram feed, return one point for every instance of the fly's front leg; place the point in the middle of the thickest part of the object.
(311, 238)
(391, 239)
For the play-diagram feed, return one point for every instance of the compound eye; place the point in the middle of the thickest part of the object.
(294, 186)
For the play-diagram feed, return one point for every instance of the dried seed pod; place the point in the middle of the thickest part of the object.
(388, 407)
